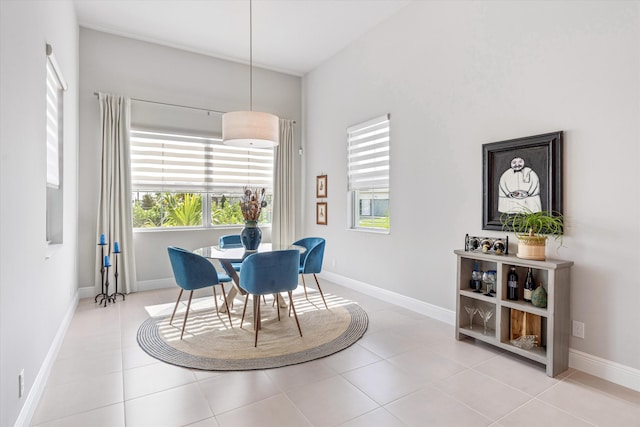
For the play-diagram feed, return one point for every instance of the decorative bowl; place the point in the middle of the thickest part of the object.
(525, 342)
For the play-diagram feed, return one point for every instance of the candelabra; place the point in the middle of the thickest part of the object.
(104, 275)
(116, 251)
(104, 295)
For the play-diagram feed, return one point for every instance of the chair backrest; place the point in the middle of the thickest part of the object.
(270, 272)
(311, 259)
(230, 241)
(191, 271)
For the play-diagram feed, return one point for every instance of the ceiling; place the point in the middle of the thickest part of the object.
(291, 36)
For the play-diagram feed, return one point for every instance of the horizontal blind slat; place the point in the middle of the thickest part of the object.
(162, 161)
(52, 127)
(368, 154)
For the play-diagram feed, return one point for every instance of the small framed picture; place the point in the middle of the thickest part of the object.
(321, 213)
(321, 186)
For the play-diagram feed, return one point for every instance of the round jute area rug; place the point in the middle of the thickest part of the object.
(210, 343)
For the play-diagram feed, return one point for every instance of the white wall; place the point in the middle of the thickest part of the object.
(149, 71)
(456, 75)
(36, 294)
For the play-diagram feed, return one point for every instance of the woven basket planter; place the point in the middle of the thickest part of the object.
(532, 247)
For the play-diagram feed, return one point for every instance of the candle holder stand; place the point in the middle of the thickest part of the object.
(115, 277)
(105, 295)
(104, 280)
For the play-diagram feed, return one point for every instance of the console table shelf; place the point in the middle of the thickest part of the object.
(553, 347)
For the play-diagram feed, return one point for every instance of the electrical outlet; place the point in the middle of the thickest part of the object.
(21, 383)
(578, 329)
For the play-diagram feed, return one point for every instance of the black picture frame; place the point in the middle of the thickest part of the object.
(542, 153)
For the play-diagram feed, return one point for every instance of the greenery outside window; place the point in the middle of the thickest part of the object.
(181, 180)
(368, 174)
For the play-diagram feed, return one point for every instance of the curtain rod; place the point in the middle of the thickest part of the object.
(177, 105)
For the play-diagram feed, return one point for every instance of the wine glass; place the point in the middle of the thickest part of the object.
(471, 311)
(485, 315)
(489, 279)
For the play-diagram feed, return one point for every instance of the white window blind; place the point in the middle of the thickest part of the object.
(54, 117)
(172, 162)
(368, 154)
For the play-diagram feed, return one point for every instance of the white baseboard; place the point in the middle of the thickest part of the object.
(144, 285)
(150, 285)
(593, 365)
(605, 369)
(39, 384)
(430, 310)
(87, 292)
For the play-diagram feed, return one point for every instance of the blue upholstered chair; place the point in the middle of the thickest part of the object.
(193, 272)
(269, 273)
(311, 261)
(231, 241)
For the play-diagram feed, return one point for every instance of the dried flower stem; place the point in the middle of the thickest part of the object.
(252, 203)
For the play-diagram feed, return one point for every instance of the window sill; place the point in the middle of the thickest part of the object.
(176, 229)
(370, 230)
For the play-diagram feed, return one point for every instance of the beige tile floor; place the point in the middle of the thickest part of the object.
(407, 370)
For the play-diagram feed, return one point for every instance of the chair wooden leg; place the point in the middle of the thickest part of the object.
(294, 312)
(215, 297)
(256, 311)
(256, 320)
(224, 295)
(278, 305)
(320, 289)
(244, 310)
(276, 298)
(176, 307)
(184, 324)
(304, 284)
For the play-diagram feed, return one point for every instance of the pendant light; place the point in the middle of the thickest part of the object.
(250, 128)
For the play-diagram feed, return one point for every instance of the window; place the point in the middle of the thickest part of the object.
(55, 85)
(54, 126)
(368, 174)
(182, 180)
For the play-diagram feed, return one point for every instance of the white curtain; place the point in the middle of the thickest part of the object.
(114, 206)
(283, 229)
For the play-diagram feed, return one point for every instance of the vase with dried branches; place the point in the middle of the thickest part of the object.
(251, 206)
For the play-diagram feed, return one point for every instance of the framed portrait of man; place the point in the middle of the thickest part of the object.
(521, 175)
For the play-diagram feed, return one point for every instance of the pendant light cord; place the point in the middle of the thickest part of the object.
(250, 56)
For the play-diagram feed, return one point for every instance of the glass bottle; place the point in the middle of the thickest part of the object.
(499, 247)
(476, 278)
(512, 284)
(529, 286)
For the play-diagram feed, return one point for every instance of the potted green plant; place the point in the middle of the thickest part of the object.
(532, 229)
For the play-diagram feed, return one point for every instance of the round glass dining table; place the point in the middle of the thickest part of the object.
(228, 255)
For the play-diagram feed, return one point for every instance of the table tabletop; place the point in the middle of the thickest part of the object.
(227, 256)
(238, 254)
